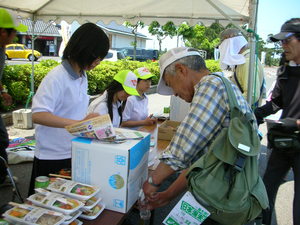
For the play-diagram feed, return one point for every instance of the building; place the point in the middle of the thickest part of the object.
(47, 37)
(121, 36)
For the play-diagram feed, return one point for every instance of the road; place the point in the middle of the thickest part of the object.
(26, 61)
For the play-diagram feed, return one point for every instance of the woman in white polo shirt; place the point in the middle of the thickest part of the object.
(111, 101)
(136, 112)
(62, 100)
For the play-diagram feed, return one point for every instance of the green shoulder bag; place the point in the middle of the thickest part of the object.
(225, 180)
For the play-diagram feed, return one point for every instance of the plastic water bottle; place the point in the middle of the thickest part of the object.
(145, 213)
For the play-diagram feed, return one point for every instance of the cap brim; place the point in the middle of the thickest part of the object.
(145, 77)
(130, 90)
(21, 28)
(162, 88)
(280, 36)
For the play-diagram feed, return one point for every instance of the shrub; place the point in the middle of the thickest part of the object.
(17, 78)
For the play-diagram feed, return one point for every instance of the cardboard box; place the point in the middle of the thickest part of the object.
(167, 129)
(118, 169)
(22, 118)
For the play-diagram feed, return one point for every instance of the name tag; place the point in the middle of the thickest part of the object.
(244, 147)
(187, 211)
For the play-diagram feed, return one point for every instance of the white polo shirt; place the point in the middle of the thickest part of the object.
(136, 108)
(99, 105)
(63, 93)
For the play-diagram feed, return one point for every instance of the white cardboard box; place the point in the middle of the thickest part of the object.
(22, 118)
(118, 169)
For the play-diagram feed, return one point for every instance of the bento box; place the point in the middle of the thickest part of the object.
(90, 203)
(33, 215)
(55, 201)
(93, 213)
(73, 189)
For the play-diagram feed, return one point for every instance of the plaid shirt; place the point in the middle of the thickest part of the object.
(209, 112)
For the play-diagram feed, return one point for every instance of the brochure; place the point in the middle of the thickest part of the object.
(99, 127)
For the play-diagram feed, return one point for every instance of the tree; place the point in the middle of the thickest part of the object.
(134, 28)
(161, 32)
(201, 37)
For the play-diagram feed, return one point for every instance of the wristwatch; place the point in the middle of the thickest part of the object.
(150, 181)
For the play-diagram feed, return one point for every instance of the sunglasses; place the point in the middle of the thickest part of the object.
(287, 40)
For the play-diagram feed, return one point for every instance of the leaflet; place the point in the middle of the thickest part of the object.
(99, 127)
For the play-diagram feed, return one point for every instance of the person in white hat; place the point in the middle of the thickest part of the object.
(9, 25)
(136, 112)
(235, 55)
(112, 100)
(183, 73)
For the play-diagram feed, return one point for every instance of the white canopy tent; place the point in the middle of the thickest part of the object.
(191, 11)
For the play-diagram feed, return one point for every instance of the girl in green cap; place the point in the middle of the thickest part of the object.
(111, 101)
(136, 112)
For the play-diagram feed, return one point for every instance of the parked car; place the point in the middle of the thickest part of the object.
(114, 55)
(141, 54)
(14, 51)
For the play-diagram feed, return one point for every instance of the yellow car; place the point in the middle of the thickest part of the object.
(13, 51)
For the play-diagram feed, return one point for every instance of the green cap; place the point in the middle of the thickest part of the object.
(8, 19)
(128, 80)
(143, 73)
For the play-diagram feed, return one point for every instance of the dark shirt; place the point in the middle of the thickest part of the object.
(286, 93)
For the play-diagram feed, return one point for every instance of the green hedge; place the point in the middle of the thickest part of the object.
(16, 78)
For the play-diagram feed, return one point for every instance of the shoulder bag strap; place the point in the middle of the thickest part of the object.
(237, 81)
(231, 96)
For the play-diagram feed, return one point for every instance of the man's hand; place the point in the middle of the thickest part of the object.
(7, 99)
(159, 199)
(149, 190)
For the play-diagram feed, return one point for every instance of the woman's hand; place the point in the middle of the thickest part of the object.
(91, 115)
(150, 120)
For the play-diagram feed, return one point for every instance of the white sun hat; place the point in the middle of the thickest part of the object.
(167, 59)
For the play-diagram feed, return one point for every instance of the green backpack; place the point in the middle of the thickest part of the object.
(225, 180)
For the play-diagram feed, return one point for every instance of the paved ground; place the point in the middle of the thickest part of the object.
(156, 103)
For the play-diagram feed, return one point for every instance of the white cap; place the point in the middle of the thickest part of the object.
(168, 58)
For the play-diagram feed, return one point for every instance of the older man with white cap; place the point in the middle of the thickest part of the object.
(234, 54)
(183, 73)
(9, 25)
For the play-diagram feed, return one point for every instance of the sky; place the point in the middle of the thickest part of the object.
(271, 15)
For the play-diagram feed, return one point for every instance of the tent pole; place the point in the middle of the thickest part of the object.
(252, 44)
(226, 16)
(32, 65)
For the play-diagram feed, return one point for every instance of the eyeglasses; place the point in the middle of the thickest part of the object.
(287, 40)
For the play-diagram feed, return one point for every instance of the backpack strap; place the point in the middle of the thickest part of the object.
(237, 81)
(231, 96)
(240, 161)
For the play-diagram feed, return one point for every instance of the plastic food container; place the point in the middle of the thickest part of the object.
(76, 222)
(32, 215)
(90, 203)
(72, 217)
(93, 213)
(54, 201)
(73, 189)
